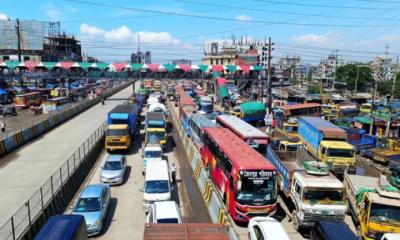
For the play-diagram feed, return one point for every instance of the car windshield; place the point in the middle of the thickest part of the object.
(152, 154)
(322, 196)
(291, 129)
(116, 132)
(292, 148)
(337, 152)
(168, 220)
(112, 165)
(156, 186)
(156, 135)
(384, 213)
(88, 205)
(256, 191)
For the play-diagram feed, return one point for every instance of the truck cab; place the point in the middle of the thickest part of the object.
(151, 152)
(118, 137)
(316, 195)
(338, 155)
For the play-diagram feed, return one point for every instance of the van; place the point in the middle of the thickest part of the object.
(63, 227)
(332, 230)
(164, 212)
(157, 185)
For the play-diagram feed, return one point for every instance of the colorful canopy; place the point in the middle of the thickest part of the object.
(12, 64)
(184, 67)
(245, 68)
(49, 65)
(152, 67)
(136, 66)
(169, 67)
(84, 65)
(119, 66)
(29, 64)
(65, 65)
(231, 68)
(204, 67)
(217, 68)
(102, 65)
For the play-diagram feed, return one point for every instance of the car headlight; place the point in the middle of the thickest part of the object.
(96, 224)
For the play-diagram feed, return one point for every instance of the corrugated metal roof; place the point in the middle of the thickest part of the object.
(241, 127)
(198, 231)
(299, 106)
(241, 154)
(202, 121)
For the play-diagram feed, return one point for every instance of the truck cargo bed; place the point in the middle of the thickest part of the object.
(191, 231)
(357, 182)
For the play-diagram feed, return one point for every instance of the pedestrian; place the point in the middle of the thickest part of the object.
(173, 173)
(3, 126)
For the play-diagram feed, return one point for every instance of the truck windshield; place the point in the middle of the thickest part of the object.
(152, 154)
(292, 148)
(158, 135)
(116, 132)
(323, 196)
(206, 107)
(337, 152)
(384, 213)
(256, 191)
(290, 128)
(156, 186)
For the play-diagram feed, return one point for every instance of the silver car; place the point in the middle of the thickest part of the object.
(113, 170)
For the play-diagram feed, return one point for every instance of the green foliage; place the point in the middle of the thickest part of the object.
(348, 74)
(385, 87)
(313, 89)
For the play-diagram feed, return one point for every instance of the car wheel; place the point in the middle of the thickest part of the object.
(295, 221)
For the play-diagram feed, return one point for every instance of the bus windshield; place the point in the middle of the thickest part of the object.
(385, 213)
(323, 196)
(337, 152)
(256, 190)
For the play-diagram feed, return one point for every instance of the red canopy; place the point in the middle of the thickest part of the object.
(185, 67)
(221, 81)
(119, 66)
(153, 67)
(66, 65)
(217, 68)
(245, 68)
(30, 65)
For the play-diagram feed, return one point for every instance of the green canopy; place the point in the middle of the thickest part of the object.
(204, 67)
(12, 64)
(257, 68)
(102, 66)
(216, 74)
(169, 67)
(252, 108)
(49, 65)
(231, 68)
(223, 92)
(85, 65)
(363, 120)
(136, 66)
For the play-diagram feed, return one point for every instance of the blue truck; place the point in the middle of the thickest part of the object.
(327, 143)
(63, 227)
(122, 122)
(360, 139)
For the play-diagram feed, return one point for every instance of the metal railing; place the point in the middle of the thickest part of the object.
(28, 213)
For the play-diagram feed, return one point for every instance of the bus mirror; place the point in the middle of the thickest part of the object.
(239, 185)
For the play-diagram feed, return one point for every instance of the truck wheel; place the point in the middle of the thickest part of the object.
(258, 123)
(295, 221)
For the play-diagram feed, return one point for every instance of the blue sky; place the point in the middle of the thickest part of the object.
(360, 29)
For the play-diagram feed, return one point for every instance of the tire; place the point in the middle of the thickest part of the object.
(348, 210)
(295, 221)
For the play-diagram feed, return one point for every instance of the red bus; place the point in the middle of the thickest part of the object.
(27, 100)
(303, 109)
(244, 178)
(249, 134)
(186, 107)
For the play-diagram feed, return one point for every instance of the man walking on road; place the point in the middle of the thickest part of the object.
(173, 173)
(3, 126)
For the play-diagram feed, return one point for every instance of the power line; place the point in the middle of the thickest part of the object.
(221, 18)
(321, 5)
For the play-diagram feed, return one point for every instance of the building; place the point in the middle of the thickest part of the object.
(248, 57)
(29, 35)
(289, 68)
(182, 61)
(326, 70)
(141, 57)
(225, 55)
(62, 48)
(386, 68)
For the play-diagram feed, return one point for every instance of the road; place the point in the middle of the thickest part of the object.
(126, 217)
(24, 170)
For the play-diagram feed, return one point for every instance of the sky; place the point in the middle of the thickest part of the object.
(174, 29)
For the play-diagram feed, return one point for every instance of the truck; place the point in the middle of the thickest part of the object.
(148, 84)
(186, 108)
(152, 151)
(206, 105)
(316, 193)
(387, 151)
(374, 205)
(122, 121)
(157, 86)
(155, 127)
(327, 143)
(360, 139)
(186, 231)
(251, 112)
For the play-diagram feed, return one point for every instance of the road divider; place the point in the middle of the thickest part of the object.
(18, 139)
(214, 203)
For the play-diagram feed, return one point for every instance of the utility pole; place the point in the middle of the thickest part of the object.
(376, 78)
(394, 80)
(334, 73)
(269, 75)
(358, 73)
(17, 28)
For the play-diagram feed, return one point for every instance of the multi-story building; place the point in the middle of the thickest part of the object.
(226, 55)
(289, 68)
(326, 70)
(386, 68)
(141, 57)
(182, 61)
(62, 48)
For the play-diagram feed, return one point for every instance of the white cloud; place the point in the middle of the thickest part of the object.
(86, 29)
(243, 17)
(3, 16)
(121, 34)
(315, 39)
(51, 11)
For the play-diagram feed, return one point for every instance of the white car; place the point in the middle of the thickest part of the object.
(164, 212)
(266, 228)
(391, 236)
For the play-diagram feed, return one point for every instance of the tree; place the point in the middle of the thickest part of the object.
(385, 87)
(314, 88)
(348, 73)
